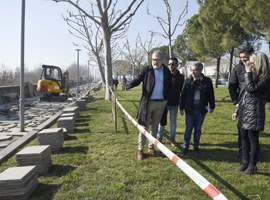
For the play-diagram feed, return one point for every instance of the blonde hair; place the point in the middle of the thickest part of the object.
(261, 64)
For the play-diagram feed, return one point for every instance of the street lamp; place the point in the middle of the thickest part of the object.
(22, 70)
(77, 89)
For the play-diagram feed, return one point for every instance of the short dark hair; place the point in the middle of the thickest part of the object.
(248, 50)
(198, 65)
(174, 59)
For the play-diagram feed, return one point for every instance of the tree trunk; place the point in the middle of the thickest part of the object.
(218, 67)
(101, 70)
(231, 61)
(108, 63)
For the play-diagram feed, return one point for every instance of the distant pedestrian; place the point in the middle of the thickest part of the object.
(237, 85)
(115, 83)
(173, 102)
(196, 100)
(156, 80)
(124, 83)
(251, 110)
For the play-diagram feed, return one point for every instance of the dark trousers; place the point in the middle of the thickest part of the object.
(250, 146)
(239, 139)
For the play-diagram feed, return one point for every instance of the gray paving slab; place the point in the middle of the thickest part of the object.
(5, 137)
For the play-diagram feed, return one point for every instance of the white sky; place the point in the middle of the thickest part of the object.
(47, 40)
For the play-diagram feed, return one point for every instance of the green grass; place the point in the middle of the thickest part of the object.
(96, 163)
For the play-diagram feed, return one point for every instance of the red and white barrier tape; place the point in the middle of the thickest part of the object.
(205, 185)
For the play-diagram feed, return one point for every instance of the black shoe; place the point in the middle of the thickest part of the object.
(196, 150)
(241, 168)
(251, 170)
(184, 151)
(173, 142)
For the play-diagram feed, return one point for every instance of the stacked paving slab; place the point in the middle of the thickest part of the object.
(40, 156)
(87, 98)
(17, 183)
(81, 103)
(66, 122)
(73, 109)
(53, 137)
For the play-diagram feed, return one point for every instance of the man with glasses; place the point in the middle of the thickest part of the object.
(173, 102)
(156, 88)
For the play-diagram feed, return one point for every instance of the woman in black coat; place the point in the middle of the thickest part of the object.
(251, 110)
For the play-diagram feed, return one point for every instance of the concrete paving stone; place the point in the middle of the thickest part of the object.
(18, 182)
(71, 114)
(14, 174)
(34, 150)
(11, 125)
(40, 156)
(17, 133)
(3, 145)
(5, 137)
(51, 130)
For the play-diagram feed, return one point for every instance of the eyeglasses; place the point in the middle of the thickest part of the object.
(171, 64)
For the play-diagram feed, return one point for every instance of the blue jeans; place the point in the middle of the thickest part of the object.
(195, 121)
(173, 110)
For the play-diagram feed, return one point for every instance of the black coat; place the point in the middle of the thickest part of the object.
(237, 82)
(177, 85)
(206, 95)
(252, 106)
(147, 77)
(174, 98)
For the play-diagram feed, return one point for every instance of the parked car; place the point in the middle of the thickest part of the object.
(221, 82)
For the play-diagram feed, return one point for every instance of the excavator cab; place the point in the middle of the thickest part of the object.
(53, 84)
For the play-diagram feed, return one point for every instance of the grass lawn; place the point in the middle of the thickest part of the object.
(96, 163)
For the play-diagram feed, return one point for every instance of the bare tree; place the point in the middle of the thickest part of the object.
(113, 23)
(134, 56)
(148, 45)
(166, 24)
(121, 67)
(90, 34)
(6, 76)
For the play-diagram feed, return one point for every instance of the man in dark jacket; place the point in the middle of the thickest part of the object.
(237, 84)
(156, 88)
(196, 100)
(173, 102)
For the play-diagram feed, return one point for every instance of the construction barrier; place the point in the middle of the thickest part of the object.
(205, 185)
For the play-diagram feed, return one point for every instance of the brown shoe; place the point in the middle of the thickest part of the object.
(140, 155)
(152, 152)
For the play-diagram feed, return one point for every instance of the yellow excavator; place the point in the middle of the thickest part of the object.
(53, 84)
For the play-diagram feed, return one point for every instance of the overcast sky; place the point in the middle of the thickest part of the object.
(47, 40)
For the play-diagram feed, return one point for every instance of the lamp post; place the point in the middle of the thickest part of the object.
(77, 89)
(22, 70)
